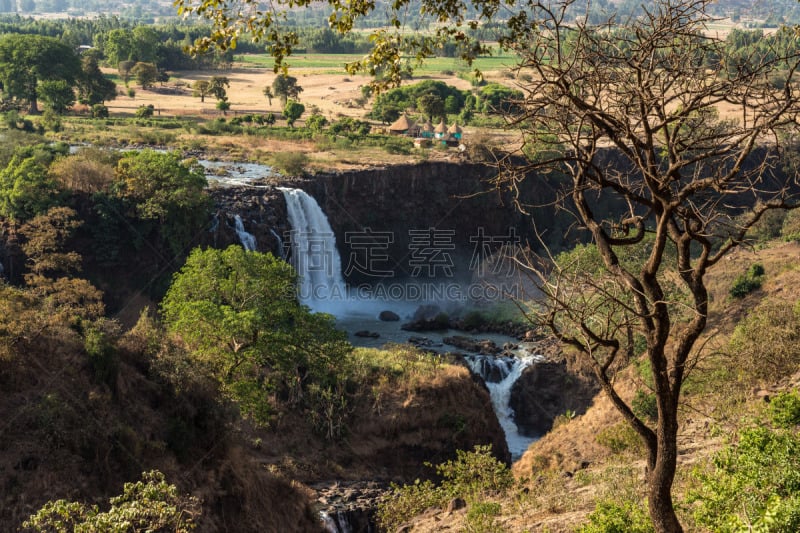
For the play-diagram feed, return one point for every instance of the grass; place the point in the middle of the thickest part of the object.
(334, 63)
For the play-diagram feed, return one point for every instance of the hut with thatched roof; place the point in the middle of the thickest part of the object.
(441, 130)
(426, 130)
(403, 126)
(455, 131)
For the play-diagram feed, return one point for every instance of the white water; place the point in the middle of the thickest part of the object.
(314, 254)
(248, 240)
(316, 259)
(281, 251)
(508, 370)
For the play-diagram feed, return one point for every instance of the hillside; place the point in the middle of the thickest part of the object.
(591, 458)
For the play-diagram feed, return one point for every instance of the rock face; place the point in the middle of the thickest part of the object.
(263, 214)
(546, 390)
(424, 219)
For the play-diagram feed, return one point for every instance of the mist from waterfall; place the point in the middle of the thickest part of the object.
(314, 254)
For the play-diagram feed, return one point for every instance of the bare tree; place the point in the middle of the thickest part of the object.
(630, 113)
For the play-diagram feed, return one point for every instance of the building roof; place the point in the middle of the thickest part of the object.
(427, 126)
(441, 127)
(455, 128)
(402, 124)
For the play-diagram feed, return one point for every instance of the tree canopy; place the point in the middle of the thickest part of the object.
(238, 313)
(27, 60)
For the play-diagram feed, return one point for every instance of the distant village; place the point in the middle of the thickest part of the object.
(425, 134)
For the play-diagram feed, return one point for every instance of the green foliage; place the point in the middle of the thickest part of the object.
(617, 517)
(430, 97)
(784, 409)
(145, 111)
(497, 98)
(27, 60)
(644, 405)
(482, 518)
(316, 122)
(619, 438)
(26, 189)
(238, 314)
(146, 74)
(790, 230)
(768, 226)
(753, 485)
(292, 111)
(350, 128)
(102, 355)
(290, 163)
(57, 95)
(147, 505)
(473, 476)
(99, 111)
(766, 344)
(746, 283)
(285, 87)
(159, 187)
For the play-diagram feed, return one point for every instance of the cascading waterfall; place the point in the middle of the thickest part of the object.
(278, 239)
(321, 287)
(314, 254)
(499, 374)
(248, 240)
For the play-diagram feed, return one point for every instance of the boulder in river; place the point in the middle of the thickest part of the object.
(389, 316)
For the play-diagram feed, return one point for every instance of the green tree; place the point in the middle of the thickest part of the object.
(147, 505)
(57, 95)
(217, 87)
(124, 68)
(27, 60)
(160, 189)
(292, 111)
(26, 189)
(93, 86)
(238, 313)
(146, 74)
(286, 87)
(432, 105)
(118, 46)
(201, 88)
(268, 94)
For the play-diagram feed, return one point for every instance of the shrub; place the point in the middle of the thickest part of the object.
(147, 505)
(790, 231)
(99, 111)
(784, 409)
(131, 92)
(223, 105)
(145, 111)
(644, 405)
(766, 344)
(473, 476)
(746, 283)
(481, 518)
(619, 438)
(614, 517)
(753, 485)
(290, 163)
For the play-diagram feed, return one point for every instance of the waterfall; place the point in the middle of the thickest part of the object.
(499, 374)
(281, 251)
(314, 254)
(248, 240)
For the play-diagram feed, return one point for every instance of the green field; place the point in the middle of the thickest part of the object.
(334, 63)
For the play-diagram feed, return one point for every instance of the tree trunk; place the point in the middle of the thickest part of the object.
(661, 475)
(34, 109)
